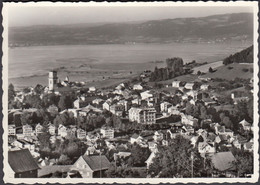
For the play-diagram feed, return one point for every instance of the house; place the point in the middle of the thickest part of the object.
(158, 136)
(173, 110)
(81, 134)
(138, 87)
(246, 126)
(152, 146)
(22, 164)
(27, 130)
(204, 87)
(135, 138)
(188, 129)
(176, 84)
(237, 144)
(38, 129)
(51, 129)
(189, 86)
(107, 132)
(208, 101)
(194, 140)
(121, 155)
(189, 120)
(249, 146)
(92, 166)
(92, 89)
(146, 95)
(205, 148)
(106, 105)
(23, 144)
(11, 130)
(97, 101)
(80, 102)
(62, 131)
(193, 94)
(142, 115)
(224, 162)
(173, 133)
(117, 109)
(164, 106)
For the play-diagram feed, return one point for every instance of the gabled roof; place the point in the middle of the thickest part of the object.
(244, 123)
(97, 162)
(135, 136)
(21, 161)
(223, 161)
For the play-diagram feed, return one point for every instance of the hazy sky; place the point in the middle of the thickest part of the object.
(25, 16)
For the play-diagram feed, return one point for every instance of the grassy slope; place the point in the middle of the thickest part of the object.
(230, 74)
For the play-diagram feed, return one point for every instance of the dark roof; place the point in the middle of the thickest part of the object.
(94, 162)
(223, 161)
(21, 161)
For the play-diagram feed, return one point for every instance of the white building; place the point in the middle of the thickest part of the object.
(204, 87)
(107, 132)
(62, 131)
(176, 84)
(11, 130)
(81, 134)
(142, 115)
(92, 89)
(164, 106)
(27, 130)
(189, 86)
(38, 129)
(51, 129)
(146, 95)
(138, 87)
(188, 120)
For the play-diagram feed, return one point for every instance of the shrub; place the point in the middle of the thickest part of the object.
(245, 70)
(229, 67)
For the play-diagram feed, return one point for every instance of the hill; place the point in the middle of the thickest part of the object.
(232, 71)
(217, 28)
(244, 56)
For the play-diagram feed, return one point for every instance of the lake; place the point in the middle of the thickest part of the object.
(30, 65)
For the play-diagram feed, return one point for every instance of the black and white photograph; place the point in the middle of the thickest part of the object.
(150, 92)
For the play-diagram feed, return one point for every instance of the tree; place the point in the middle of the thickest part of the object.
(174, 160)
(50, 99)
(199, 73)
(227, 122)
(38, 89)
(72, 150)
(139, 155)
(64, 119)
(64, 160)
(44, 140)
(211, 70)
(244, 162)
(33, 101)
(11, 92)
(65, 102)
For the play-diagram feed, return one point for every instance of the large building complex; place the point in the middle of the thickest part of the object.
(142, 115)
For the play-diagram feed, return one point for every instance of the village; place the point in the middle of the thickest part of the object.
(65, 130)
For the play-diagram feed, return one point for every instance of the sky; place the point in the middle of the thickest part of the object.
(61, 15)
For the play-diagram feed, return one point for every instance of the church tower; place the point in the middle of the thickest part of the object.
(53, 80)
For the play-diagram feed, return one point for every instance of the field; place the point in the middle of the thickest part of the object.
(232, 71)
